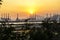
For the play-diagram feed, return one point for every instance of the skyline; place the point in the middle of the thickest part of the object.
(8, 16)
(26, 7)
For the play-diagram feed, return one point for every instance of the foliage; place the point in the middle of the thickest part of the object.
(48, 31)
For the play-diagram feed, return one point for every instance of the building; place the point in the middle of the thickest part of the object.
(36, 19)
(17, 18)
(5, 17)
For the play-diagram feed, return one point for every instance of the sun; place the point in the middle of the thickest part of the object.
(31, 11)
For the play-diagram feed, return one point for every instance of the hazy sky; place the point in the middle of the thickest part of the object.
(26, 7)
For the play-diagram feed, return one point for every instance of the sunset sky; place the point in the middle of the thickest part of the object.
(25, 8)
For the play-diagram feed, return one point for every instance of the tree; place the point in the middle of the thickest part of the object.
(0, 2)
